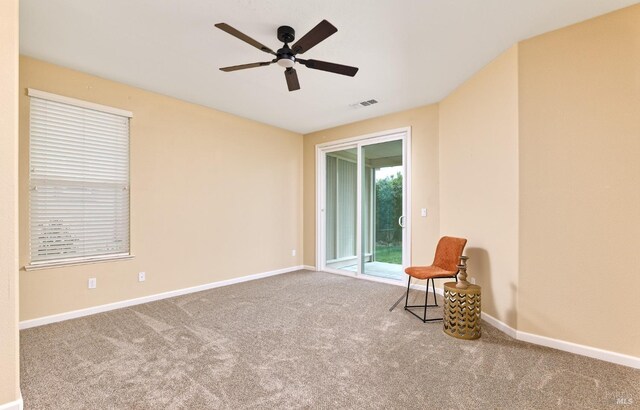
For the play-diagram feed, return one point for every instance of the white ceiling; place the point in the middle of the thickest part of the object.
(410, 52)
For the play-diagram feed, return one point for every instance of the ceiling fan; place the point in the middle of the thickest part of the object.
(286, 56)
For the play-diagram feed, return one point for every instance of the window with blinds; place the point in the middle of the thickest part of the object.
(79, 180)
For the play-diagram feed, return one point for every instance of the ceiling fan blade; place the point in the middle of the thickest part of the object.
(243, 66)
(227, 28)
(317, 34)
(292, 79)
(330, 67)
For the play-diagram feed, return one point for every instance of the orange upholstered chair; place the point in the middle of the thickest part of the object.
(445, 265)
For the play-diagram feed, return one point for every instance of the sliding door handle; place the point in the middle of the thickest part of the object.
(401, 221)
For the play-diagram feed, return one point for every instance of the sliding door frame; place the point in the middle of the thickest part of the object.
(403, 134)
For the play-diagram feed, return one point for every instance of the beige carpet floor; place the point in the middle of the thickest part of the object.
(299, 340)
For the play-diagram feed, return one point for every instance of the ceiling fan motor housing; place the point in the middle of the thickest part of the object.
(286, 34)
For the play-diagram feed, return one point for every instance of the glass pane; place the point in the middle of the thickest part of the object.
(382, 209)
(341, 210)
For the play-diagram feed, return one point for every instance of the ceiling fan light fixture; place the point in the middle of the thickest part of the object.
(286, 61)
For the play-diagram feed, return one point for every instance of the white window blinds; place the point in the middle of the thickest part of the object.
(79, 180)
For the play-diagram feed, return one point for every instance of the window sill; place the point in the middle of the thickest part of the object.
(74, 262)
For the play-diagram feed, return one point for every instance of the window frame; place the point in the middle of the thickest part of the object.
(80, 260)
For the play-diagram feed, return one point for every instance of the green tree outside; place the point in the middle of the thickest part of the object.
(388, 211)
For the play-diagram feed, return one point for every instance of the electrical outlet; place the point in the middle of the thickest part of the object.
(472, 280)
(92, 283)
(423, 212)
(293, 252)
(141, 276)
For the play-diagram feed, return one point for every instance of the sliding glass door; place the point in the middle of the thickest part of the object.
(382, 209)
(362, 204)
(341, 210)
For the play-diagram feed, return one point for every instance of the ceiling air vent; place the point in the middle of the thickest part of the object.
(363, 103)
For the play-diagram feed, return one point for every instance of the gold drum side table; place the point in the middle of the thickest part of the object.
(462, 310)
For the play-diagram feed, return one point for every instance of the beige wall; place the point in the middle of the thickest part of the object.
(580, 183)
(424, 173)
(479, 179)
(213, 197)
(9, 364)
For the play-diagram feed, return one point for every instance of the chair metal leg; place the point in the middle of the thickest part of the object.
(433, 285)
(408, 307)
(426, 295)
(406, 300)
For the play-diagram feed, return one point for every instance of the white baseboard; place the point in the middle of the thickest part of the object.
(593, 352)
(13, 405)
(309, 267)
(500, 325)
(26, 324)
(583, 350)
